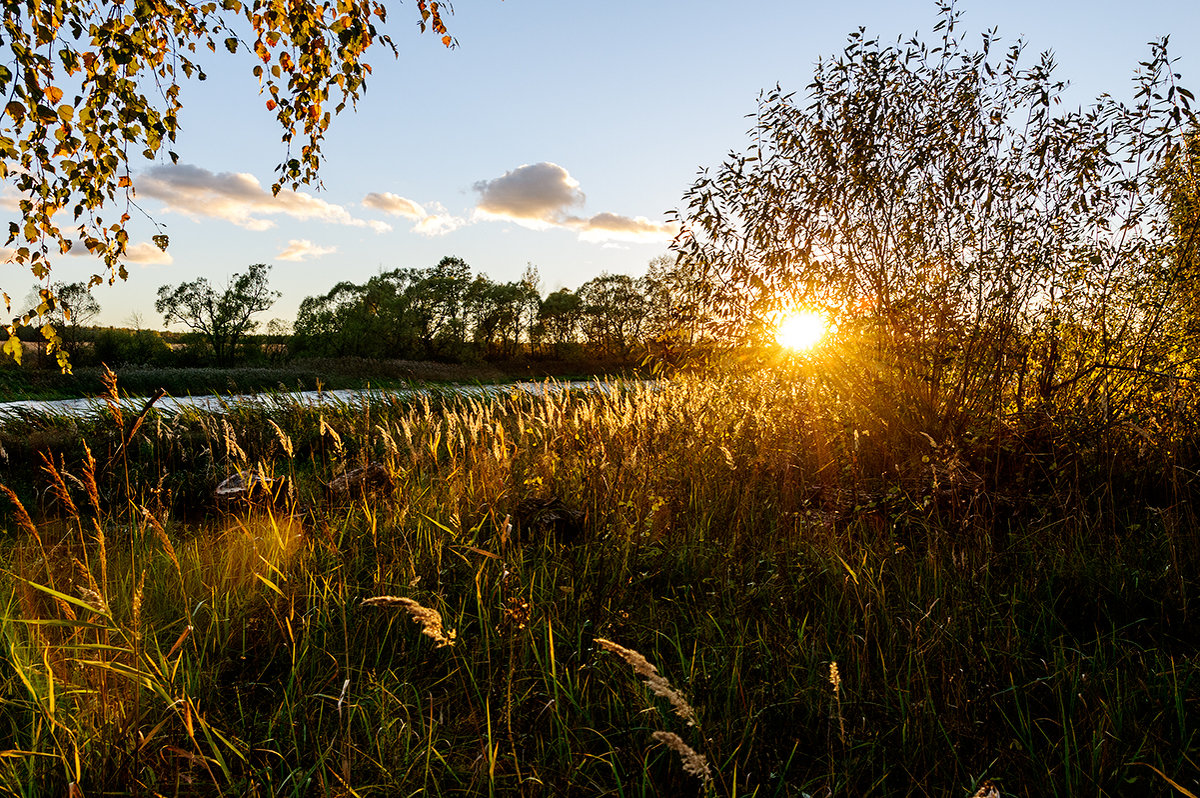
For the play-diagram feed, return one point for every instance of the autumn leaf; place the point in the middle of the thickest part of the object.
(12, 347)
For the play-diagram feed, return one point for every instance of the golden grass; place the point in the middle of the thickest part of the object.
(789, 550)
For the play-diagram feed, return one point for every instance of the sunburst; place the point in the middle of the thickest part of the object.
(801, 330)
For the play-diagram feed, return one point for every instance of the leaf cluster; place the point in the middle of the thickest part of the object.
(87, 86)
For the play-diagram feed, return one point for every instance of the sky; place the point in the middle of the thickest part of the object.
(558, 133)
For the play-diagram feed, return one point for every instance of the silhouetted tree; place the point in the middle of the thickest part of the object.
(222, 316)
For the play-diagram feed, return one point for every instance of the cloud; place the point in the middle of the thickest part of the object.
(239, 198)
(438, 224)
(394, 204)
(147, 255)
(614, 227)
(299, 249)
(541, 196)
(536, 195)
(435, 223)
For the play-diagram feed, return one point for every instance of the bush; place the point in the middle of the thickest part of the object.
(136, 347)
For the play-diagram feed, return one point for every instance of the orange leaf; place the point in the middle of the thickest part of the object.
(446, 40)
(124, 182)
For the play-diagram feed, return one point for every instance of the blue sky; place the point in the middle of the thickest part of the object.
(558, 133)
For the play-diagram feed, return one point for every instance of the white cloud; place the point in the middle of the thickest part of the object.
(394, 204)
(535, 195)
(428, 223)
(299, 249)
(438, 224)
(614, 227)
(147, 255)
(541, 195)
(238, 198)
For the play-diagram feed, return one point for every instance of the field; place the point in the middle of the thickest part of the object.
(750, 582)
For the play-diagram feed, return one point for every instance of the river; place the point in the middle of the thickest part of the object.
(216, 403)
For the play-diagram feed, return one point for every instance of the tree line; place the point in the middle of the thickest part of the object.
(444, 312)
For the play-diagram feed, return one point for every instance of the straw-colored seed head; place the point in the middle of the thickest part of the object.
(987, 790)
(388, 443)
(284, 440)
(93, 599)
(694, 764)
(231, 444)
(429, 619)
(652, 678)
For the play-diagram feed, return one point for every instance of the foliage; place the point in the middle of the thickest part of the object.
(89, 83)
(614, 312)
(74, 307)
(983, 247)
(1179, 183)
(359, 320)
(222, 317)
(445, 314)
(116, 346)
(558, 319)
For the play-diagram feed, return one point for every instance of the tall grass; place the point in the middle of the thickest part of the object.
(844, 602)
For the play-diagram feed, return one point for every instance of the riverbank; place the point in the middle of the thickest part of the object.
(29, 384)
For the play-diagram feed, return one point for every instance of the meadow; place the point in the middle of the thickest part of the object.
(752, 581)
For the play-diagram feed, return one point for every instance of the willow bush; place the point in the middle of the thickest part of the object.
(983, 250)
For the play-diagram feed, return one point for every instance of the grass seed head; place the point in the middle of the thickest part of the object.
(652, 678)
(93, 599)
(429, 619)
(694, 764)
(284, 440)
(987, 790)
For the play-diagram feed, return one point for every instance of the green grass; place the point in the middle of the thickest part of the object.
(997, 609)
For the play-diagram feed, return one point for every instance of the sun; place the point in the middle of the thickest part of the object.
(800, 330)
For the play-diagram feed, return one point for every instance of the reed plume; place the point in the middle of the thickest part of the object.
(429, 619)
(653, 679)
(694, 763)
